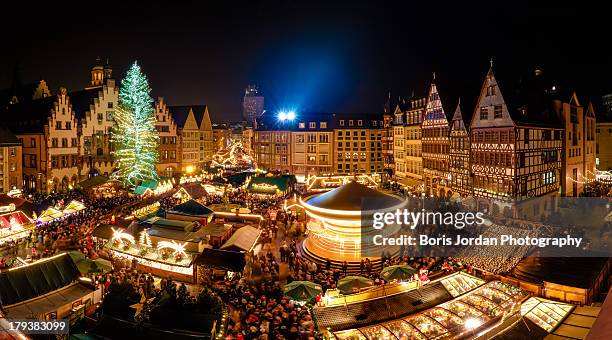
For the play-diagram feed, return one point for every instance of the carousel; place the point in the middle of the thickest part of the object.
(337, 228)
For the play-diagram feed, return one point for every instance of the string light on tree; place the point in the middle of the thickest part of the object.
(134, 135)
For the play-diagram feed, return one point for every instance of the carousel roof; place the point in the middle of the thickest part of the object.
(351, 196)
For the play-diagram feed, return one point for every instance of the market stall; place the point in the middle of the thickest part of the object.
(165, 258)
(271, 185)
(49, 215)
(482, 309)
(101, 187)
(73, 207)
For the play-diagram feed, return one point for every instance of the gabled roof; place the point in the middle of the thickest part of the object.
(192, 208)
(39, 278)
(459, 116)
(205, 123)
(8, 138)
(23, 93)
(180, 113)
(28, 117)
(243, 239)
(530, 100)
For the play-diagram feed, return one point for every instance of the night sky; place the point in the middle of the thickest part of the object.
(312, 56)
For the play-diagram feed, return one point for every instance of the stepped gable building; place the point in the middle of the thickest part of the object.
(516, 144)
(47, 128)
(94, 107)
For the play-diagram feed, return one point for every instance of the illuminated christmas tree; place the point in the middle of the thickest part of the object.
(134, 136)
(144, 239)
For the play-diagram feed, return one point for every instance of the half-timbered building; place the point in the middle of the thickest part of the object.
(435, 140)
(459, 153)
(516, 141)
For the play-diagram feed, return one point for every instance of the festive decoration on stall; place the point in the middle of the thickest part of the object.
(134, 134)
(325, 183)
(145, 239)
(233, 157)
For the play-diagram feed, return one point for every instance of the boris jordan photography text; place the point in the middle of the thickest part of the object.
(401, 228)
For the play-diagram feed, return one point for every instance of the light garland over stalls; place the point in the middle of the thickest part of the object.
(324, 183)
(134, 135)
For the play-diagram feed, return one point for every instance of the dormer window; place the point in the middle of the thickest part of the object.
(312, 125)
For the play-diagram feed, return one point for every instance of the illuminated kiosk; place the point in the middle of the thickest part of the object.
(335, 224)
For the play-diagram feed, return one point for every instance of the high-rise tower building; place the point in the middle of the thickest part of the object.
(252, 105)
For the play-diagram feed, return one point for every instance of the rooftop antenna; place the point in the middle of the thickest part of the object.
(491, 62)
(434, 75)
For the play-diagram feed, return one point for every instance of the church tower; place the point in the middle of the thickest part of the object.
(97, 73)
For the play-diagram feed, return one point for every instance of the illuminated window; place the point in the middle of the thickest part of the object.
(342, 122)
(484, 113)
(323, 125)
(351, 122)
(360, 122)
(312, 125)
(497, 111)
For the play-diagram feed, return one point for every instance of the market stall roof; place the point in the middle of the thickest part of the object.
(103, 231)
(351, 196)
(561, 320)
(194, 190)
(39, 278)
(73, 207)
(178, 235)
(151, 184)
(141, 190)
(243, 239)
(169, 224)
(17, 216)
(581, 271)
(602, 329)
(49, 215)
(49, 302)
(216, 229)
(92, 182)
(229, 260)
(20, 204)
(446, 320)
(191, 208)
(282, 183)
